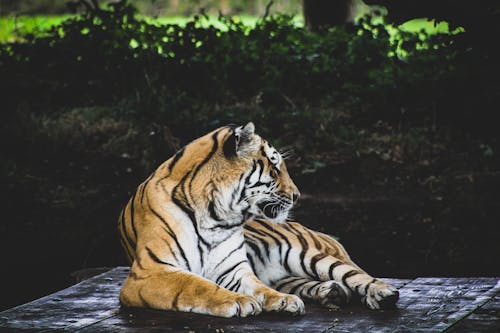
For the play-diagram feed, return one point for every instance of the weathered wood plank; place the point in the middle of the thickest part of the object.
(74, 307)
(484, 319)
(426, 305)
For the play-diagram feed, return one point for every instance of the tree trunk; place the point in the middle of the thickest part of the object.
(322, 14)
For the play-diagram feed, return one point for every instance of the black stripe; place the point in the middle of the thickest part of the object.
(189, 212)
(236, 190)
(227, 226)
(278, 171)
(245, 183)
(171, 234)
(259, 183)
(317, 244)
(315, 284)
(130, 242)
(282, 283)
(138, 261)
(227, 271)
(255, 249)
(146, 184)
(238, 310)
(296, 287)
(262, 240)
(332, 267)
(170, 247)
(156, 259)
(250, 261)
(261, 172)
(305, 247)
(368, 285)
(143, 301)
(266, 234)
(263, 151)
(348, 275)
(212, 212)
(229, 255)
(127, 251)
(229, 146)
(255, 231)
(284, 260)
(231, 281)
(236, 286)
(314, 261)
(132, 223)
(175, 159)
(215, 145)
(237, 282)
(261, 165)
(356, 288)
(175, 300)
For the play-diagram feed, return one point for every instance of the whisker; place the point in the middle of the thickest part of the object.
(287, 152)
(282, 199)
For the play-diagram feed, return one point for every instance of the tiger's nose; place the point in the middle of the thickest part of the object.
(295, 196)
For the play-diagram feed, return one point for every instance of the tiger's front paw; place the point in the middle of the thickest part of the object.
(380, 296)
(246, 306)
(284, 303)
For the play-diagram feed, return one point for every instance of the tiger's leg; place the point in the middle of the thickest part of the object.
(374, 293)
(328, 293)
(170, 288)
(298, 252)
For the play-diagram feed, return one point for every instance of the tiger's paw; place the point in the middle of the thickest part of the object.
(239, 306)
(332, 294)
(247, 306)
(284, 303)
(380, 296)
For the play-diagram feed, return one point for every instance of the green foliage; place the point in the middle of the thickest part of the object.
(193, 76)
(157, 7)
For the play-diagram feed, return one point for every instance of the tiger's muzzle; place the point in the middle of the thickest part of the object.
(276, 207)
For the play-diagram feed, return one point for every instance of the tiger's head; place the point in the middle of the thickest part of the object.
(257, 175)
(230, 176)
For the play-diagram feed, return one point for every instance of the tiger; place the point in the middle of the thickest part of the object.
(209, 232)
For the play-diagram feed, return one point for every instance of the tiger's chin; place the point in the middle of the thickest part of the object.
(281, 218)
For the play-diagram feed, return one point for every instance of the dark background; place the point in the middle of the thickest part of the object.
(394, 144)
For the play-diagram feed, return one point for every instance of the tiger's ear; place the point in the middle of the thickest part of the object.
(243, 137)
(241, 142)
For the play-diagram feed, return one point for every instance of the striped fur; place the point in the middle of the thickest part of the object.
(294, 259)
(206, 233)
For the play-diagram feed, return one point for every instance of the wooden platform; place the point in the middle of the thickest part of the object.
(426, 305)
